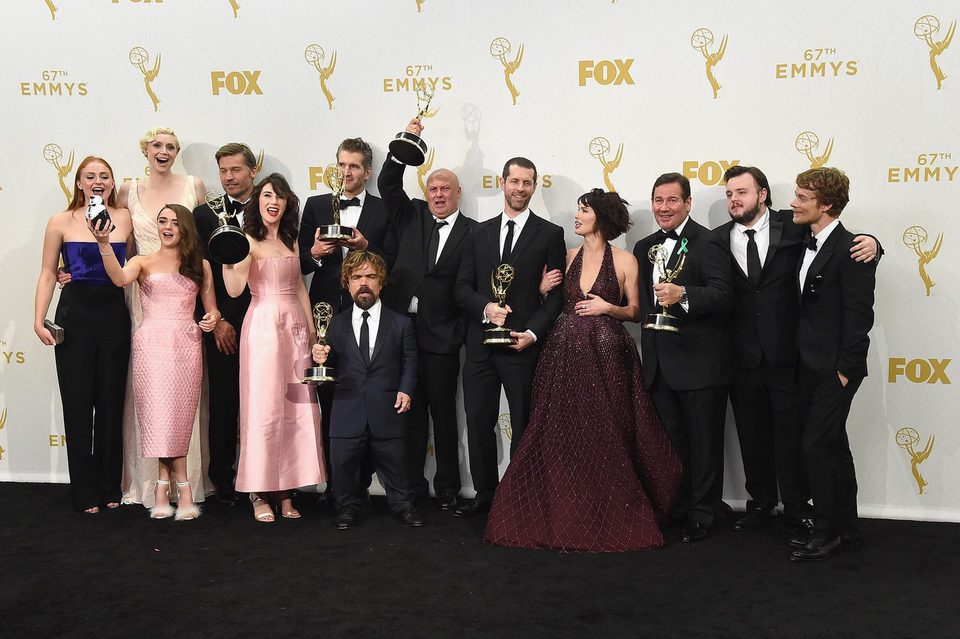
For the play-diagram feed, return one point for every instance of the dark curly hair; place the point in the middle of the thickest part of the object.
(613, 219)
(290, 222)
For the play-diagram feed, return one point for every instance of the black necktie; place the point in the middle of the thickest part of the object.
(509, 243)
(668, 234)
(433, 247)
(365, 338)
(753, 258)
(810, 242)
(354, 201)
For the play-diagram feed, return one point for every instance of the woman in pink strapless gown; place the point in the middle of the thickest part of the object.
(167, 362)
(280, 444)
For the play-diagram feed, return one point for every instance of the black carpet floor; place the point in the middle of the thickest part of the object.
(118, 573)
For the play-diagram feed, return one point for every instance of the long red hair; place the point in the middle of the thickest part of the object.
(79, 199)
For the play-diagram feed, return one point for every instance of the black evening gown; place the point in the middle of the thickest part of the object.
(595, 470)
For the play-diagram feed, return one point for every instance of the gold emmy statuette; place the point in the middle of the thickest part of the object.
(314, 55)
(227, 243)
(410, 148)
(139, 58)
(499, 48)
(52, 153)
(333, 178)
(322, 314)
(599, 147)
(664, 321)
(701, 39)
(806, 142)
(500, 279)
(906, 438)
(914, 238)
(925, 28)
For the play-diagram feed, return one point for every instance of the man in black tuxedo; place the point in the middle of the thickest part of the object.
(432, 235)
(238, 168)
(529, 243)
(836, 315)
(687, 374)
(374, 353)
(764, 247)
(373, 231)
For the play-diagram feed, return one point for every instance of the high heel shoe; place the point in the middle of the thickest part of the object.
(259, 513)
(164, 511)
(185, 509)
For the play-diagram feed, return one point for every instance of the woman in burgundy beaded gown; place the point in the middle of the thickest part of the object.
(595, 470)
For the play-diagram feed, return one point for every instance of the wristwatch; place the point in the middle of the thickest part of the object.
(683, 295)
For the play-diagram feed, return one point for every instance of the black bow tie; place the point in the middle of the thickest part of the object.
(810, 242)
(354, 201)
(668, 235)
(234, 207)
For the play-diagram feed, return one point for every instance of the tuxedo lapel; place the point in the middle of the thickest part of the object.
(776, 236)
(452, 245)
(823, 256)
(386, 325)
(530, 231)
(347, 335)
(493, 238)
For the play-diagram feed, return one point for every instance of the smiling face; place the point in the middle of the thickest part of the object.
(168, 228)
(443, 193)
(161, 152)
(808, 210)
(95, 179)
(355, 175)
(669, 207)
(272, 206)
(236, 177)
(518, 188)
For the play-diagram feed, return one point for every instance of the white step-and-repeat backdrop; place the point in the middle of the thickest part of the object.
(596, 92)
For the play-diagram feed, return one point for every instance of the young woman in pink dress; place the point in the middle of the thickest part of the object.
(167, 362)
(280, 444)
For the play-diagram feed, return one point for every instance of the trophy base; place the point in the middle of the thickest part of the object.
(498, 336)
(409, 148)
(335, 232)
(319, 375)
(228, 244)
(663, 322)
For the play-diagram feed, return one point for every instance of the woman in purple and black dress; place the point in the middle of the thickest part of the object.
(595, 470)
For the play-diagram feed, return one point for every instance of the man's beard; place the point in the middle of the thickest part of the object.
(367, 302)
(749, 215)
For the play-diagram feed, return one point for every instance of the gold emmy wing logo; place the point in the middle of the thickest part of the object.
(314, 55)
(52, 153)
(500, 48)
(907, 437)
(139, 58)
(53, 9)
(424, 170)
(599, 147)
(259, 166)
(236, 8)
(925, 28)
(807, 142)
(420, 5)
(3, 422)
(504, 426)
(914, 238)
(701, 39)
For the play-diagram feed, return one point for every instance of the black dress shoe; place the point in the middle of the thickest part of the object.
(473, 509)
(446, 499)
(346, 518)
(800, 540)
(410, 517)
(226, 496)
(794, 524)
(754, 519)
(694, 531)
(817, 549)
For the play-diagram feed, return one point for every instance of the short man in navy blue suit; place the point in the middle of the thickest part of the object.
(374, 352)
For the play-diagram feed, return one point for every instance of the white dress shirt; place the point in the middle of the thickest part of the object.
(739, 240)
(519, 221)
(809, 255)
(350, 216)
(373, 323)
(239, 214)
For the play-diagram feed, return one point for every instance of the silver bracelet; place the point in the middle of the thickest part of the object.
(104, 254)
